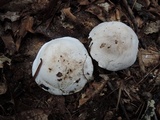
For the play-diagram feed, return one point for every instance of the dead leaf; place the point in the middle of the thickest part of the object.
(9, 43)
(68, 14)
(94, 89)
(105, 6)
(155, 10)
(3, 82)
(38, 5)
(112, 16)
(108, 8)
(4, 59)
(109, 115)
(7, 26)
(137, 6)
(13, 16)
(149, 57)
(144, 3)
(141, 64)
(139, 21)
(97, 11)
(26, 26)
(149, 110)
(116, 15)
(152, 27)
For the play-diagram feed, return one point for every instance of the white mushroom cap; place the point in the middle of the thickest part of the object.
(114, 45)
(66, 66)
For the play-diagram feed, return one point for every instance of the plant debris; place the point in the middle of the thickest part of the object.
(130, 94)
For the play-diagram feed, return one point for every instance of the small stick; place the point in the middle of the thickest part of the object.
(119, 96)
(120, 101)
(147, 74)
(38, 69)
(130, 14)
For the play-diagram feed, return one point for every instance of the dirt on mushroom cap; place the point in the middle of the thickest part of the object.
(114, 45)
(66, 66)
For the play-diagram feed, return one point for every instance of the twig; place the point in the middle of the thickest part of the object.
(119, 96)
(147, 74)
(130, 12)
(38, 69)
(134, 4)
(120, 102)
(96, 91)
(141, 109)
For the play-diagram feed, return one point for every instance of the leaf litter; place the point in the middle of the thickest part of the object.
(128, 94)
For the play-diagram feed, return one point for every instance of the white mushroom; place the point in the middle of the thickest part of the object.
(66, 66)
(114, 45)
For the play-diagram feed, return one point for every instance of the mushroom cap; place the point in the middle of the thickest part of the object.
(114, 45)
(66, 66)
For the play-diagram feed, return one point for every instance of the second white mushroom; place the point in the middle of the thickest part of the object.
(114, 45)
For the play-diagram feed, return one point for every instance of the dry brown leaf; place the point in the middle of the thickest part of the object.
(155, 10)
(109, 115)
(139, 22)
(3, 81)
(94, 89)
(105, 6)
(115, 15)
(9, 43)
(112, 16)
(141, 64)
(40, 4)
(155, 3)
(118, 15)
(68, 14)
(97, 11)
(4, 59)
(13, 16)
(26, 26)
(149, 57)
(145, 3)
(152, 27)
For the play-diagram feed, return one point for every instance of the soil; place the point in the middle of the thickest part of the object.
(130, 94)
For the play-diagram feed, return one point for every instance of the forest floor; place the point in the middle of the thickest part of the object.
(130, 94)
